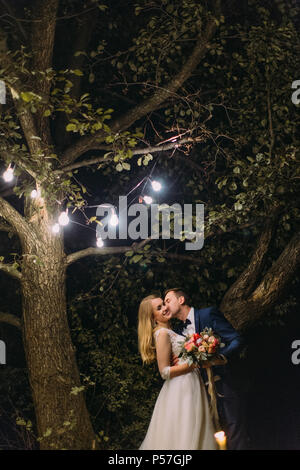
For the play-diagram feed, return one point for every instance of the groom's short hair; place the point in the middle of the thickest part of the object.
(180, 293)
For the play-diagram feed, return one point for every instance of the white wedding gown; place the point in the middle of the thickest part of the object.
(181, 418)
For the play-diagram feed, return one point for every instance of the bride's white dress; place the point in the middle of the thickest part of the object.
(181, 418)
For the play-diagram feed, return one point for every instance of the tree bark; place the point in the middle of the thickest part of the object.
(242, 307)
(62, 418)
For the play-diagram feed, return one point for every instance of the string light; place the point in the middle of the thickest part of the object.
(55, 228)
(114, 220)
(156, 185)
(63, 219)
(8, 175)
(100, 242)
(148, 199)
(35, 193)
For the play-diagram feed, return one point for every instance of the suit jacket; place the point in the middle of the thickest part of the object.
(211, 317)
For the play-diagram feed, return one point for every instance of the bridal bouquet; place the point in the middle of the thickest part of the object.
(201, 347)
(198, 348)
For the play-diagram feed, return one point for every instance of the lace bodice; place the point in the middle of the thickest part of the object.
(176, 340)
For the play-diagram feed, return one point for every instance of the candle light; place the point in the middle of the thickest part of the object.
(221, 440)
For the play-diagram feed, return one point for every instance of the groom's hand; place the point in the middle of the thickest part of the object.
(174, 360)
(219, 361)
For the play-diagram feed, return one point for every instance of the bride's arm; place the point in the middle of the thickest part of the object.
(163, 353)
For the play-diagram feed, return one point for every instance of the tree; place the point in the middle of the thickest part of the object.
(179, 112)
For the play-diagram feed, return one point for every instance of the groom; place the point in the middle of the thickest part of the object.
(194, 321)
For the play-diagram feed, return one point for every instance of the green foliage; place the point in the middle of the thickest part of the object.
(237, 105)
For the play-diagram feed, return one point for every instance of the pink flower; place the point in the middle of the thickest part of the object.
(205, 337)
(201, 349)
(189, 346)
(211, 339)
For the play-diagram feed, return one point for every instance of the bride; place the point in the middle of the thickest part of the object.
(181, 418)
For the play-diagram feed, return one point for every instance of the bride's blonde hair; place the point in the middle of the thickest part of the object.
(146, 327)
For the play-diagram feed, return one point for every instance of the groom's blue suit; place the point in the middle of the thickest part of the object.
(213, 318)
(231, 407)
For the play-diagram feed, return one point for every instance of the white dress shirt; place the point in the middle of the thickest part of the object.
(190, 329)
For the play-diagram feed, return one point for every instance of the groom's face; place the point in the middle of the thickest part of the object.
(173, 303)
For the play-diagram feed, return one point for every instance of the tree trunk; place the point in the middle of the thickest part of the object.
(49, 351)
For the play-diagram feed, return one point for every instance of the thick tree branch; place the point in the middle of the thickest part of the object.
(137, 151)
(270, 290)
(112, 250)
(124, 122)
(10, 320)
(279, 276)
(25, 116)
(135, 247)
(27, 124)
(42, 43)
(11, 270)
(249, 278)
(15, 219)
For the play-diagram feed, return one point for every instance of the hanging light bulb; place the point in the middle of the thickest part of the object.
(114, 220)
(8, 175)
(55, 228)
(148, 199)
(156, 185)
(63, 219)
(100, 242)
(33, 194)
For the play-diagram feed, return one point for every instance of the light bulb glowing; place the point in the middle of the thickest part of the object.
(63, 219)
(156, 185)
(55, 228)
(148, 199)
(114, 220)
(100, 242)
(33, 194)
(8, 175)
